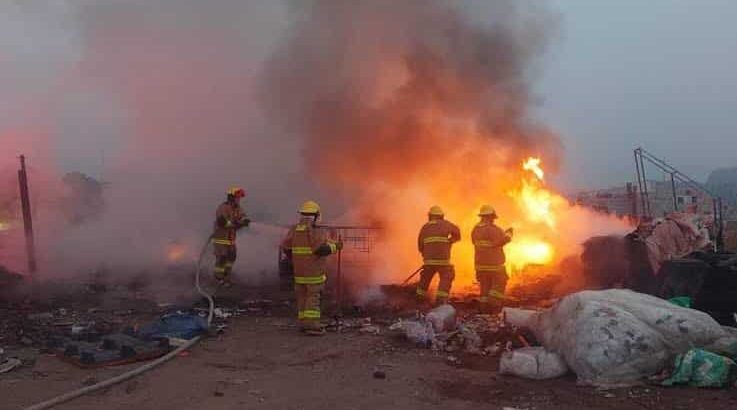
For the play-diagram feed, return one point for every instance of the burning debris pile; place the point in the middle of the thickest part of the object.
(425, 105)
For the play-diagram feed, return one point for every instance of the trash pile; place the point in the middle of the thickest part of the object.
(618, 337)
(674, 236)
(477, 334)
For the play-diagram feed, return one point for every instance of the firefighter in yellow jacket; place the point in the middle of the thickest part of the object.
(434, 243)
(229, 218)
(489, 241)
(309, 247)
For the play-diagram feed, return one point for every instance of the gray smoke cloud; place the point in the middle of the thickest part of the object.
(402, 105)
(377, 85)
(163, 92)
(297, 100)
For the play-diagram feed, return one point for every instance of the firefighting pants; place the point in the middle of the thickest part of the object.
(446, 273)
(493, 283)
(225, 256)
(309, 300)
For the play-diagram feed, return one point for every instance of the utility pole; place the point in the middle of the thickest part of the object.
(27, 217)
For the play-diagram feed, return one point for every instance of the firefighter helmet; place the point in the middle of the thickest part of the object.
(310, 208)
(436, 211)
(487, 210)
(237, 192)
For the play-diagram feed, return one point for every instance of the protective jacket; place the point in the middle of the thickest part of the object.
(229, 217)
(435, 240)
(488, 241)
(309, 246)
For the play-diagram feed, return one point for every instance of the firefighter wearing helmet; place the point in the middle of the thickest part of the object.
(229, 218)
(489, 241)
(434, 242)
(309, 247)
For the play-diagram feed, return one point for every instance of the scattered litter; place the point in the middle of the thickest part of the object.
(370, 329)
(533, 363)
(9, 364)
(463, 338)
(40, 317)
(453, 360)
(419, 332)
(700, 368)
(78, 329)
(222, 314)
(442, 318)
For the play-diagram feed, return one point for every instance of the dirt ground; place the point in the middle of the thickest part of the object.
(262, 362)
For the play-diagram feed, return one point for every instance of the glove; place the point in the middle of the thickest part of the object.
(244, 222)
(323, 250)
(510, 232)
(339, 245)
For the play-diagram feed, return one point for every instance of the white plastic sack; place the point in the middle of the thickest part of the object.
(443, 318)
(616, 337)
(418, 332)
(533, 363)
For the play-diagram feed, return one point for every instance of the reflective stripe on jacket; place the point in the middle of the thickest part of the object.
(435, 241)
(303, 239)
(228, 218)
(488, 241)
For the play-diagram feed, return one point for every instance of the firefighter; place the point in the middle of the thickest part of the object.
(229, 218)
(434, 242)
(488, 241)
(309, 248)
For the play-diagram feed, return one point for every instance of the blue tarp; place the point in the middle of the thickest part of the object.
(177, 325)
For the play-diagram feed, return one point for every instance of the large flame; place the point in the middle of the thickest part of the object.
(547, 228)
(536, 205)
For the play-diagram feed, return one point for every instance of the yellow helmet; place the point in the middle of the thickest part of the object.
(487, 210)
(436, 211)
(237, 192)
(310, 208)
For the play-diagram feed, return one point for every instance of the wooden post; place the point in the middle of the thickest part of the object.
(27, 217)
(339, 280)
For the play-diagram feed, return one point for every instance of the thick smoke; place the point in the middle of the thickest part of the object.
(162, 94)
(377, 85)
(407, 104)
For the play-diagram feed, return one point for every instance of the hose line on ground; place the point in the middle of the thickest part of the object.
(148, 366)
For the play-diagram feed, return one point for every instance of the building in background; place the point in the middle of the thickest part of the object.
(625, 200)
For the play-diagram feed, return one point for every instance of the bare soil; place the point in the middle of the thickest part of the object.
(261, 361)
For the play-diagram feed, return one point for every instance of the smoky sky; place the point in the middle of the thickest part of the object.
(617, 75)
(657, 74)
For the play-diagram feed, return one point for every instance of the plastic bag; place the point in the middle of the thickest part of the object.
(617, 337)
(443, 318)
(419, 332)
(700, 368)
(533, 363)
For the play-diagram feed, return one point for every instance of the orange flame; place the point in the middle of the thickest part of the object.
(175, 252)
(533, 164)
(536, 206)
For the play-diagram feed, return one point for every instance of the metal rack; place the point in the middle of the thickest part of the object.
(641, 157)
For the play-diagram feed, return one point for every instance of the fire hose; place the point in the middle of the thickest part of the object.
(148, 366)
